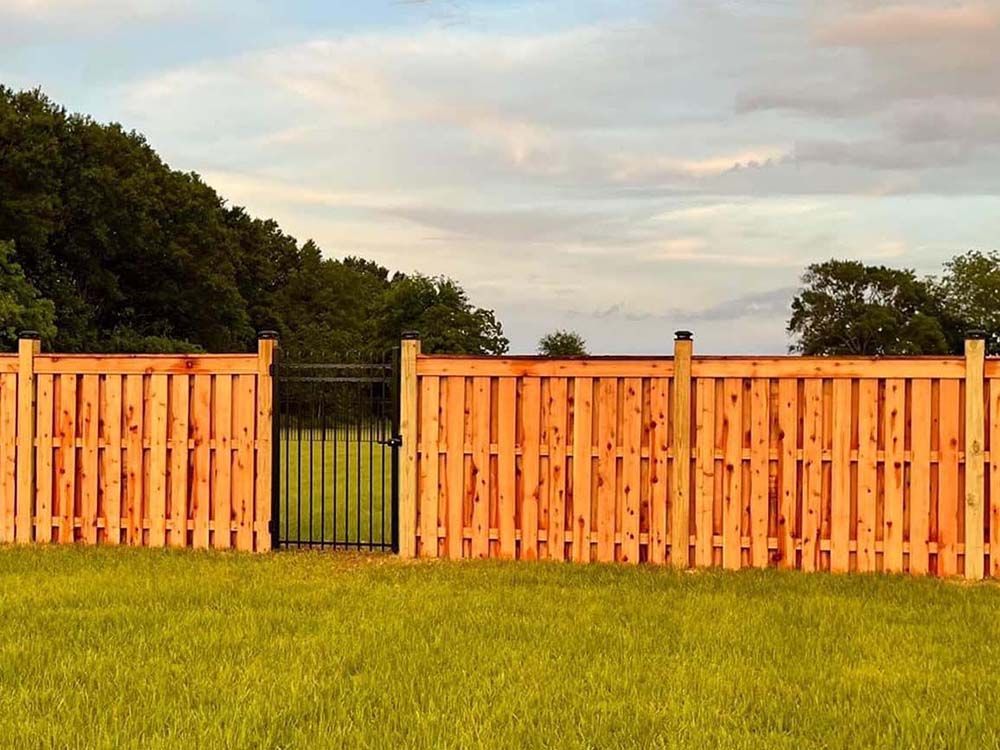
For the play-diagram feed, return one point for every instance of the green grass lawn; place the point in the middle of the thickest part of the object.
(111, 648)
(332, 487)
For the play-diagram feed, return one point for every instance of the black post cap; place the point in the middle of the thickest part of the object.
(410, 335)
(267, 335)
(683, 335)
(33, 335)
(975, 334)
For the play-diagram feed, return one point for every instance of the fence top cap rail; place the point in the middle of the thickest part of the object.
(543, 358)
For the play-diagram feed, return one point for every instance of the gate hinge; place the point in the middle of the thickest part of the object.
(394, 442)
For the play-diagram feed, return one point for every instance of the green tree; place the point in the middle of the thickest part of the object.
(847, 307)
(970, 293)
(440, 311)
(562, 343)
(21, 306)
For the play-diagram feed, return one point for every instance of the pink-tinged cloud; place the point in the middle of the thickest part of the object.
(902, 24)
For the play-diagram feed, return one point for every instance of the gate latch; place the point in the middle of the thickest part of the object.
(395, 441)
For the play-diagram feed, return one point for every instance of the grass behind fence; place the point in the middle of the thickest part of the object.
(107, 648)
(336, 484)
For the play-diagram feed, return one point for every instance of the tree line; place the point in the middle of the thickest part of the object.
(104, 247)
(848, 307)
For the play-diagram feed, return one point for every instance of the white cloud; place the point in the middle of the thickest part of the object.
(669, 163)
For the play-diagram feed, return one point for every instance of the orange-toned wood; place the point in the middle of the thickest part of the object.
(157, 420)
(975, 445)
(994, 478)
(828, 367)
(659, 468)
(146, 364)
(948, 504)
(481, 467)
(680, 484)
(840, 496)
(201, 461)
(812, 473)
(89, 420)
(556, 433)
(111, 457)
(244, 407)
(454, 389)
(507, 466)
(133, 407)
(541, 367)
(408, 397)
(66, 456)
(732, 462)
(892, 534)
(760, 444)
(8, 454)
(704, 471)
(788, 410)
(266, 351)
(583, 396)
(531, 395)
(631, 468)
(430, 409)
(607, 466)
(44, 455)
(920, 475)
(868, 400)
(27, 352)
(222, 463)
(179, 459)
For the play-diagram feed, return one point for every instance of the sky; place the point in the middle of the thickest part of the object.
(623, 168)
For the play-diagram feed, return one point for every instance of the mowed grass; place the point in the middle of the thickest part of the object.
(137, 648)
(336, 485)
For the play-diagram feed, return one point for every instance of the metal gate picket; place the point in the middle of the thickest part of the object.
(336, 453)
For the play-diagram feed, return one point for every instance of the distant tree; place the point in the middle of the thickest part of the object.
(562, 343)
(440, 311)
(970, 293)
(847, 307)
(21, 306)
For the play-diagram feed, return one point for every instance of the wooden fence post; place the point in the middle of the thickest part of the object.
(680, 523)
(267, 342)
(975, 473)
(28, 345)
(409, 351)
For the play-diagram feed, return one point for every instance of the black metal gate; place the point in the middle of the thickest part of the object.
(337, 454)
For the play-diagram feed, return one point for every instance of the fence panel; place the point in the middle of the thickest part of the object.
(835, 464)
(148, 450)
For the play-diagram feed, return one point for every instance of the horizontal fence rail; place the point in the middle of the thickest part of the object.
(839, 464)
(148, 450)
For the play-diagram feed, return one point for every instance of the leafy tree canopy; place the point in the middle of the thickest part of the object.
(21, 306)
(562, 343)
(125, 254)
(847, 307)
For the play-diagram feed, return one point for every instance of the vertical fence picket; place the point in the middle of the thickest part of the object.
(948, 495)
(222, 463)
(179, 459)
(583, 462)
(111, 458)
(920, 475)
(89, 427)
(659, 469)
(867, 491)
(44, 421)
(631, 468)
(430, 392)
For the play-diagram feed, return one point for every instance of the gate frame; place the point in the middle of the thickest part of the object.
(393, 362)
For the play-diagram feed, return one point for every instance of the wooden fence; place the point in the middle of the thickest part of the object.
(149, 450)
(862, 464)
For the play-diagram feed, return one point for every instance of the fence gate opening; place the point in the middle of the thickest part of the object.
(336, 451)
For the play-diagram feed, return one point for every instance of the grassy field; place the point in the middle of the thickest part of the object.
(110, 648)
(333, 485)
